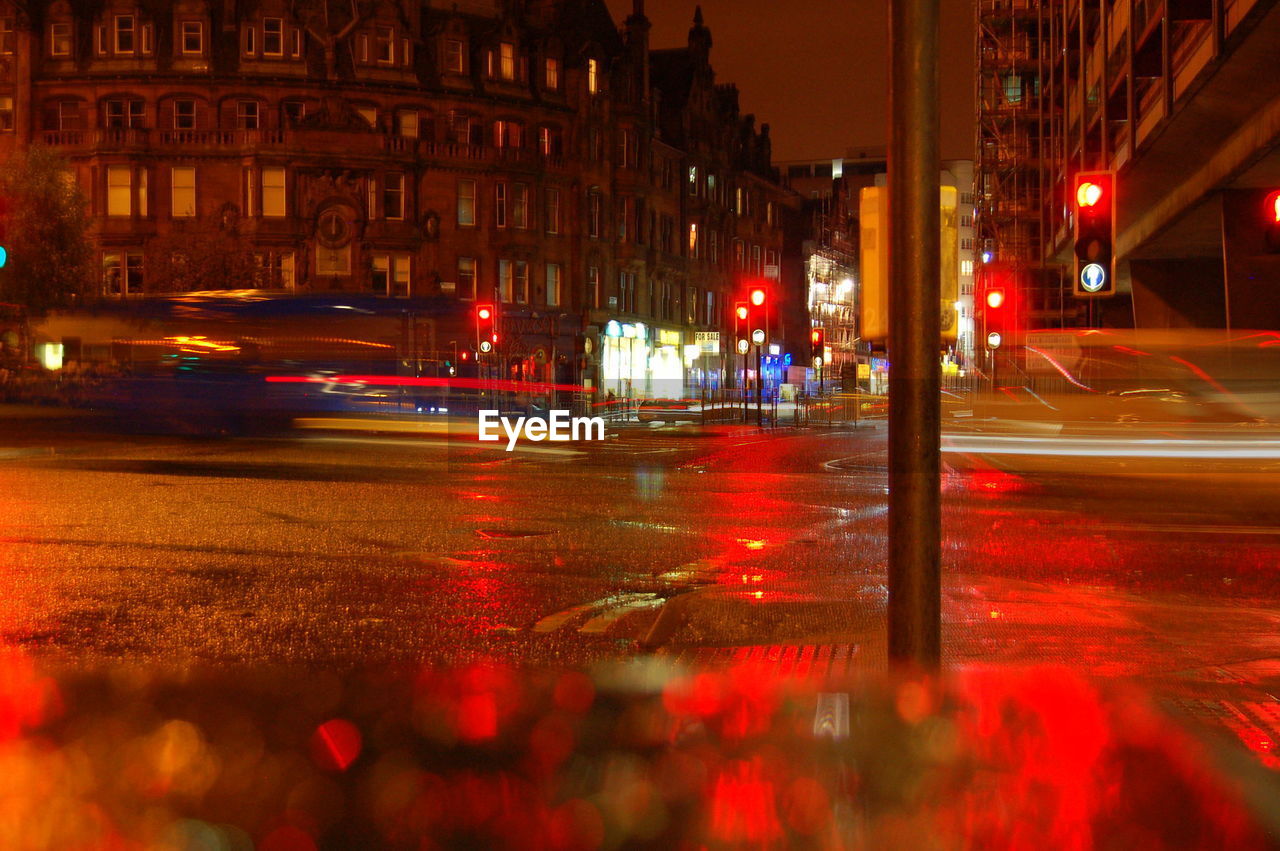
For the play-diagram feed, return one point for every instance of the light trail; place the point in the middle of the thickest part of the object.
(1243, 449)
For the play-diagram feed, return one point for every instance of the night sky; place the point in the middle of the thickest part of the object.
(815, 70)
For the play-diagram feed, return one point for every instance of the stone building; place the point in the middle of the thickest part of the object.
(530, 153)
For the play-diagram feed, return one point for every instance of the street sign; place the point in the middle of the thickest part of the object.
(1093, 277)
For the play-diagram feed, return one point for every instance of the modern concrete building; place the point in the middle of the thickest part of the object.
(1181, 100)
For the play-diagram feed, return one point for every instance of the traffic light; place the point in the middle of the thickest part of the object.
(486, 328)
(4, 232)
(1271, 220)
(1095, 208)
(741, 336)
(818, 347)
(758, 314)
(995, 315)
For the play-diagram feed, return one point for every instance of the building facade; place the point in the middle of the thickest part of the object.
(530, 154)
(832, 193)
(1178, 100)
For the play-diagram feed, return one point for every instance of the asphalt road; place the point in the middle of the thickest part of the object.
(363, 549)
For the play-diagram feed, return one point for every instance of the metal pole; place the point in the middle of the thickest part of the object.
(915, 516)
(759, 388)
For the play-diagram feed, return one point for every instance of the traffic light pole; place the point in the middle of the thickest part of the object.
(759, 387)
(915, 516)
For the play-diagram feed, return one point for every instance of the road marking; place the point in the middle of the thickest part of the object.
(555, 621)
(602, 622)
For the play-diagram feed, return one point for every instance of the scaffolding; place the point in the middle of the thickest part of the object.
(1016, 40)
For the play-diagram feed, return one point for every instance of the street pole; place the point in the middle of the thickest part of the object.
(759, 388)
(915, 516)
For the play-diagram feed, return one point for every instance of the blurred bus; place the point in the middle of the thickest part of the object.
(1185, 375)
(231, 360)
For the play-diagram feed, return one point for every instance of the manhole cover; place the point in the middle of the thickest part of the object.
(510, 533)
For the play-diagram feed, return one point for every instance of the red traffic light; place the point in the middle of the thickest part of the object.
(1089, 193)
(995, 298)
(758, 296)
(1272, 208)
(742, 312)
(816, 337)
(484, 311)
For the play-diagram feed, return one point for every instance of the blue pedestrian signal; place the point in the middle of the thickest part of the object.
(4, 256)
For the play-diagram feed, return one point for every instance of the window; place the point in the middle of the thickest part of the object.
(553, 210)
(384, 43)
(459, 128)
(467, 277)
(272, 37)
(595, 214)
(625, 212)
(739, 254)
(521, 283)
(500, 204)
(59, 39)
(294, 111)
(693, 240)
(693, 180)
(770, 214)
(182, 180)
(453, 56)
(391, 275)
(549, 142)
(250, 193)
(250, 41)
(146, 39)
(122, 273)
(184, 115)
(124, 113)
(593, 286)
(369, 114)
(381, 277)
(123, 30)
(6, 114)
(273, 192)
(627, 292)
(371, 197)
(713, 246)
(247, 115)
(507, 134)
(520, 205)
(628, 148)
(409, 124)
(466, 203)
(551, 74)
(276, 270)
(966, 267)
(553, 284)
(192, 38)
(7, 38)
(507, 60)
(504, 280)
(400, 275)
(593, 76)
(393, 196)
(362, 48)
(738, 201)
(119, 190)
(755, 260)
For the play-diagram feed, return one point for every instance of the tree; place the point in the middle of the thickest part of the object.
(50, 258)
(201, 254)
